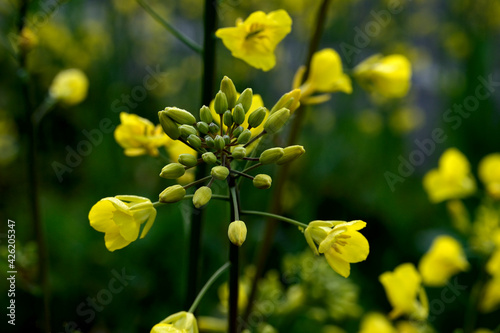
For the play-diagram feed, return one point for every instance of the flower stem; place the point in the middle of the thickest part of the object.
(208, 285)
(274, 216)
(234, 260)
(179, 35)
(196, 182)
(254, 139)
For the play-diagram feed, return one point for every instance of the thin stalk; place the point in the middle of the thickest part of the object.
(207, 285)
(190, 196)
(254, 139)
(242, 174)
(274, 216)
(178, 34)
(276, 206)
(234, 260)
(199, 181)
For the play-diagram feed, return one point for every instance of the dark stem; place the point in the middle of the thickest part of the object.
(234, 260)
(276, 207)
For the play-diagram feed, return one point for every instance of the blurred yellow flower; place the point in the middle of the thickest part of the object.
(69, 86)
(452, 180)
(445, 258)
(339, 241)
(325, 76)
(486, 229)
(493, 264)
(459, 215)
(180, 322)
(402, 287)
(388, 76)
(490, 297)
(407, 119)
(120, 218)
(489, 173)
(376, 323)
(138, 136)
(255, 39)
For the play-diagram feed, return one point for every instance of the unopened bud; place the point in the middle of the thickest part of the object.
(262, 181)
(237, 232)
(187, 160)
(180, 116)
(245, 99)
(220, 103)
(271, 155)
(219, 142)
(209, 158)
(213, 128)
(291, 153)
(172, 193)
(237, 131)
(257, 117)
(227, 139)
(202, 196)
(187, 130)
(290, 100)
(172, 171)
(228, 88)
(205, 114)
(227, 119)
(169, 126)
(244, 137)
(209, 141)
(194, 140)
(239, 153)
(276, 121)
(239, 114)
(220, 172)
(202, 127)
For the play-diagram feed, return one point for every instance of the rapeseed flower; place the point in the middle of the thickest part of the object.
(489, 173)
(180, 322)
(69, 86)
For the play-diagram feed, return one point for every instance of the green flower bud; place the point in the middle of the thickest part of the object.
(210, 141)
(227, 139)
(202, 196)
(202, 127)
(169, 126)
(213, 128)
(244, 137)
(239, 114)
(290, 100)
(172, 171)
(187, 130)
(228, 118)
(291, 153)
(172, 193)
(245, 99)
(194, 140)
(209, 158)
(180, 116)
(205, 114)
(239, 153)
(262, 181)
(220, 172)
(187, 160)
(257, 117)
(228, 88)
(219, 142)
(237, 232)
(271, 155)
(237, 131)
(276, 121)
(220, 103)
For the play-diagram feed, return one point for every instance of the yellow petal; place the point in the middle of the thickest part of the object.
(101, 215)
(356, 249)
(326, 73)
(337, 263)
(114, 240)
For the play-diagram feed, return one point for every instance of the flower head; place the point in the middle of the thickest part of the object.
(402, 287)
(325, 76)
(180, 322)
(445, 258)
(339, 241)
(489, 173)
(138, 136)
(452, 180)
(120, 218)
(376, 323)
(255, 39)
(69, 86)
(388, 76)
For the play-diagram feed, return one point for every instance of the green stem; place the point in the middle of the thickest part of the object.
(252, 167)
(207, 285)
(235, 205)
(179, 35)
(242, 174)
(254, 138)
(190, 196)
(274, 216)
(202, 180)
(234, 260)
(43, 110)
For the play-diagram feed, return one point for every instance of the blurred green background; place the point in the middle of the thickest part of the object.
(351, 141)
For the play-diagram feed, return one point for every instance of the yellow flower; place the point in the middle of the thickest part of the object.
(490, 298)
(493, 264)
(402, 288)
(339, 241)
(486, 229)
(120, 218)
(325, 76)
(376, 323)
(452, 180)
(180, 322)
(69, 86)
(138, 136)
(255, 39)
(388, 76)
(445, 258)
(489, 173)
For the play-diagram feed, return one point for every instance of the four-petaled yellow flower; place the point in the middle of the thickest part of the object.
(180, 322)
(452, 180)
(325, 76)
(388, 76)
(445, 258)
(138, 136)
(340, 242)
(255, 39)
(402, 288)
(120, 218)
(376, 323)
(489, 173)
(69, 86)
